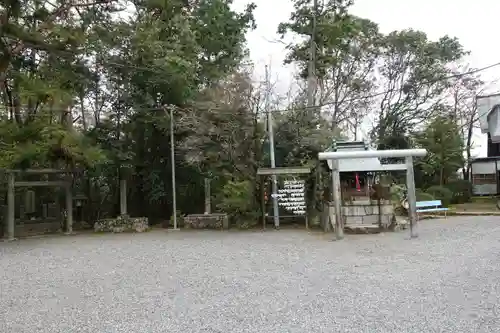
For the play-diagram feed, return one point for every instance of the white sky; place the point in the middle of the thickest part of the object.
(476, 25)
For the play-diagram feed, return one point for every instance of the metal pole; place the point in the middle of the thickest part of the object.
(412, 198)
(339, 227)
(274, 178)
(311, 75)
(172, 158)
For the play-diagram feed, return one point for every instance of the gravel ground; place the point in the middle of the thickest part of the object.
(447, 280)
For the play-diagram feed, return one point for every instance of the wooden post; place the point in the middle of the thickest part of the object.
(69, 209)
(339, 225)
(9, 236)
(123, 197)
(412, 197)
(263, 201)
(208, 204)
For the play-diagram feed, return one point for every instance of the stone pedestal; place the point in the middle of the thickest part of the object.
(363, 213)
(122, 224)
(206, 221)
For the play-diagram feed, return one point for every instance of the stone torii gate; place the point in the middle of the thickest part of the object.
(408, 154)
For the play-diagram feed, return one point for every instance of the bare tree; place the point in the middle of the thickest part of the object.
(412, 74)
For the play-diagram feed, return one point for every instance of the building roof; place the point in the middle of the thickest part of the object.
(485, 105)
(359, 164)
(488, 108)
(485, 159)
(355, 164)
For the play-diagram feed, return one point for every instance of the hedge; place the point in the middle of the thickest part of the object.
(441, 193)
(461, 191)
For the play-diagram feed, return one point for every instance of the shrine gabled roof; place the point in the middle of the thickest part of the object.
(359, 164)
(356, 164)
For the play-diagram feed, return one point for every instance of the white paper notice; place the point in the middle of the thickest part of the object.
(292, 196)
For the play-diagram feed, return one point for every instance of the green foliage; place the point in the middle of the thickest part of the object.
(87, 86)
(347, 48)
(39, 144)
(235, 198)
(169, 53)
(410, 87)
(441, 193)
(180, 219)
(423, 196)
(443, 142)
(396, 192)
(461, 189)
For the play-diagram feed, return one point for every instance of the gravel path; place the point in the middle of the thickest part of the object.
(447, 280)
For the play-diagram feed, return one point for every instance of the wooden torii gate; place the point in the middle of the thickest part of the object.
(12, 184)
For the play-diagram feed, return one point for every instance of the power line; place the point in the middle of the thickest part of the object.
(288, 109)
(428, 82)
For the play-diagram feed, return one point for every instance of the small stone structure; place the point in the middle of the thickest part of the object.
(122, 224)
(206, 221)
(368, 212)
(365, 215)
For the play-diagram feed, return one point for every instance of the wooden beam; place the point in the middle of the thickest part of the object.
(41, 183)
(283, 171)
(262, 202)
(40, 171)
(393, 167)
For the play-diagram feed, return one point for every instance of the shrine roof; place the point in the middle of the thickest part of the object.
(359, 164)
(356, 164)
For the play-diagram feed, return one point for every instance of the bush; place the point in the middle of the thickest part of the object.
(461, 191)
(237, 199)
(397, 191)
(441, 193)
(422, 196)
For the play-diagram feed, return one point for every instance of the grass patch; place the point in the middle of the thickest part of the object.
(484, 200)
(475, 207)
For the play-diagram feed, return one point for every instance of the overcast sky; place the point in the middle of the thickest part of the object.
(475, 24)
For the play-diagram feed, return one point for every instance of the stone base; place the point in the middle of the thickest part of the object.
(122, 224)
(362, 229)
(399, 223)
(362, 216)
(37, 228)
(206, 221)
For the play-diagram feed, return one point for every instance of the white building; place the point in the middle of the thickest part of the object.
(488, 109)
(485, 175)
(485, 172)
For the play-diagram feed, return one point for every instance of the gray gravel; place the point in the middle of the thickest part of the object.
(448, 280)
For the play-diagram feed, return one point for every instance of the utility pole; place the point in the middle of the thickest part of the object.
(274, 178)
(311, 70)
(172, 161)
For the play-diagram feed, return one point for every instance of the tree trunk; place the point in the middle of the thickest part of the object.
(82, 107)
(468, 147)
